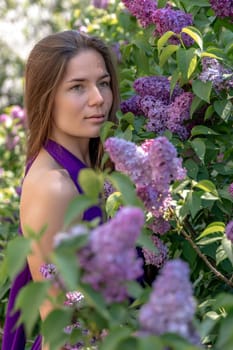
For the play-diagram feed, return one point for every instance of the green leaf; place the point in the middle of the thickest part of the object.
(202, 90)
(91, 182)
(195, 104)
(214, 227)
(164, 38)
(209, 112)
(17, 250)
(166, 53)
(113, 339)
(145, 240)
(124, 185)
(192, 168)
(150, 342)
(134, 289)
(29, 301)
(207, 186)
(199, 147)
(76, 208)
(195, 34)
(225, 336)
(194, 203)
(228, 248)
(186, 61)
(223, 108)
(95, 300)
(53, 328)
(106, 130)
(113, 203)
(202, 130)
(66, 263)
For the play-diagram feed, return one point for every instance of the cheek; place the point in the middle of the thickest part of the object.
(109, 99)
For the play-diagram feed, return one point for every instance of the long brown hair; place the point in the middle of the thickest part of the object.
(44, 71)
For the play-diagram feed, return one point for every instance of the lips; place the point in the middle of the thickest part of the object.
(97, 116)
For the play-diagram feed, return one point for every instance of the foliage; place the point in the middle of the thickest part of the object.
(201, 206)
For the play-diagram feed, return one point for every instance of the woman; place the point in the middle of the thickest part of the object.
(71, 89)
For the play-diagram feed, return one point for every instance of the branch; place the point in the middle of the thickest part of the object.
(217, 273)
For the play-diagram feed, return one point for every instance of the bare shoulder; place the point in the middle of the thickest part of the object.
(45, 198)
(51, 184)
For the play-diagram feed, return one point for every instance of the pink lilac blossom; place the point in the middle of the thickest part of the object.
(212, 70)
(110, 259)
(141, 9)
(229, 230)
(18, 113)
(73, 298)
(171, 306)
(48, 271)
(230, 189)
(222, 8)
(167, 19)
(157, 258)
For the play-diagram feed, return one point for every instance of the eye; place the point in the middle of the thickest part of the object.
(105, 83)
(77, 87)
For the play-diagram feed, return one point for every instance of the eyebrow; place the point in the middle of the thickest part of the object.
(75, 80)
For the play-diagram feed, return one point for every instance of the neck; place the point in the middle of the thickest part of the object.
(79, 147)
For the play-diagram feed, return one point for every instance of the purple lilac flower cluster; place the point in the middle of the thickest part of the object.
(167, 19)
(151, 166)
(212, 70)
(111, 248)
(222, 8)
(159, 226)
(171, 306)
(229, 230)
(230, 189)
(159, 257)
(163, 110)
(48, 271)
(142, 10)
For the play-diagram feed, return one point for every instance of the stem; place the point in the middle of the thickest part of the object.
(217, 273)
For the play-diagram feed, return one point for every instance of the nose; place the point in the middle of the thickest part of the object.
(95, 96)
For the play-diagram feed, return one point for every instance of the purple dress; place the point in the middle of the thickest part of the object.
(15, 339)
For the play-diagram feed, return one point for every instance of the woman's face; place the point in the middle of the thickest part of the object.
(84, 97)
